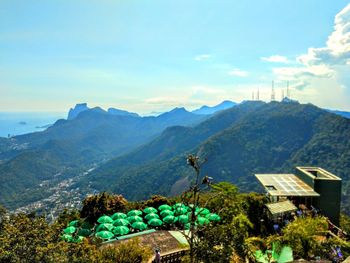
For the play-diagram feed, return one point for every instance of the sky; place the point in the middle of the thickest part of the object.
(151, 56)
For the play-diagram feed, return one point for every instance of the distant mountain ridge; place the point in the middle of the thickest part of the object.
(68, 146)
(210, 110)
(139, 156)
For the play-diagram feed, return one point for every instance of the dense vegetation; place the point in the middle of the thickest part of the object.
(253, 137)
(242, 231)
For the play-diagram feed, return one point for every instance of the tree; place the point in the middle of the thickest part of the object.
(192, 196)
(303, 235)
(102, 204)
(126, 252)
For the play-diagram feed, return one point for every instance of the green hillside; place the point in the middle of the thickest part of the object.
(272, 137)
(69, 147)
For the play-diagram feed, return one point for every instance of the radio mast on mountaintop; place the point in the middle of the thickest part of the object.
(273, 92)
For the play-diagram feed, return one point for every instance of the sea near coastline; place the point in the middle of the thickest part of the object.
(17, 123)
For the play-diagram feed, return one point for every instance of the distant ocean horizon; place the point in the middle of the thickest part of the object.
(17, 123)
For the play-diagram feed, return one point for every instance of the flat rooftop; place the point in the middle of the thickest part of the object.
(285, 185)
(281, 207)
(317, 173)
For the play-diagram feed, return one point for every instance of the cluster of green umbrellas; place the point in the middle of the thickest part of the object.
(120, 224)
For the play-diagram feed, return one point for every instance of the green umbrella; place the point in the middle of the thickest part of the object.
(67, 238)
(178, 205)
(149, 210)
(121, 230)
(204, 211)
(169, 219)
(164, 207)
(213, 217)
(105, 219)
(165, 213)
(121, 222)
(104, 234)
(134, 213)
(133, 219)
(139, 225)
(78, 239)
(151, 216)
(187, 226)
(118, 216)
(202, 221)
(180, 211)
(69, 230)
(155, 222)
(183, 219)
(104, 227)
(74, 223)
(84, 232)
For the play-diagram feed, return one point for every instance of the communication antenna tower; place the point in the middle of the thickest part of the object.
(282, 94)
(273, 92)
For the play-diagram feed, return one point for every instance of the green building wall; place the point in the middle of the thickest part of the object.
(329, 190)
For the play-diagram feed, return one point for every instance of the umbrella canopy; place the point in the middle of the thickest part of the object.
(149, 210)
(78, 239)
(178, 205)
(104, 234)
(121, 230)
(133, 219)
(202, 221)
(213, 217)
(134, 213)
(180, 211)
(151, 216)
(169, 219)
(118, 216)
(104, 227)
(165, 213)
(164, 207)
(105, 219)
(204, 211)
(183, 219)
(84, 232)
(74, 223)
(69, 230)
(121, 222)
(155, 222)
(139, 225)
(67, 238)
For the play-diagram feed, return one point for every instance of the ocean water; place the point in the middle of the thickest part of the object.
(17, 123)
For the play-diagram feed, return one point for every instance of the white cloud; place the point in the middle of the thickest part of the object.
(238, 73)
(276, 59)
(322, 73)
(203, 57)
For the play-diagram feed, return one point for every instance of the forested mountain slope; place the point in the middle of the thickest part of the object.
(271, 137)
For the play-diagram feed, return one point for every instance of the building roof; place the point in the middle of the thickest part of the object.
(281, 207)
(285, 185)
(318, 173)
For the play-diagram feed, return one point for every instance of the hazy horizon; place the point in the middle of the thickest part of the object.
(154, 56)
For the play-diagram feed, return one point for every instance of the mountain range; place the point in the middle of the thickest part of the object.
(251, 137)
(140, 156)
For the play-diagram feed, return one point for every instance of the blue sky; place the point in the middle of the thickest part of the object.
(154, 55)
